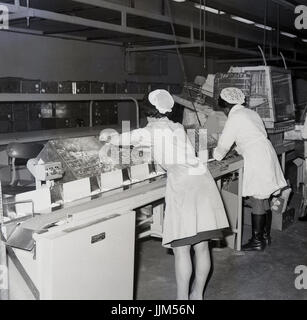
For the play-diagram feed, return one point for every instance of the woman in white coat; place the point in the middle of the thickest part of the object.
(262, 172)
(194, 210)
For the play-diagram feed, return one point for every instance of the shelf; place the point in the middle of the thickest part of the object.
(36, 97)
(45, 135)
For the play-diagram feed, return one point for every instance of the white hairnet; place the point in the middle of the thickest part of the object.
(162, 100)
(233, 95)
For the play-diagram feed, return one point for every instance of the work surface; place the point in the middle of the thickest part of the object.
(138, 195)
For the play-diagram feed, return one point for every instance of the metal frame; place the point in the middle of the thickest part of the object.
(17, 11)
(268, 71)
(8, 97)
(194, 45)
(59, 17)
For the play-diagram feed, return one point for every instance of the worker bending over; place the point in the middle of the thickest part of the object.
(262, 172)
(194, 210)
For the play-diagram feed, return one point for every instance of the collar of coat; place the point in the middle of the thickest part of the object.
(235, 108)
(152, 119)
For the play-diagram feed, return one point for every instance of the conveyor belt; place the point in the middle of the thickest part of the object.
(139, 195)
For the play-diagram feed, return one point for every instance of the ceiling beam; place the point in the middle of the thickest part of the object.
(229, 31)
(221, 61)
(24, 30)
(285, 4)
(124, 10)
(128, 10)
(58, 17)
(194, 45)
(16, 16)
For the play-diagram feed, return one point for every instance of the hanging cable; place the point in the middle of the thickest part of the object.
(265, 24)
(180, 58)
(277, 29)
(200, 25)
(176, 42)
(284, 60)
(263, 55)
(205, 34)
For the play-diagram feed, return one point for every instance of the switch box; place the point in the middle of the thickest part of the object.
(49, 171)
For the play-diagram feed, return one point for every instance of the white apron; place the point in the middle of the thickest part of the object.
(262, 172)
(193, 205)
(193, 202)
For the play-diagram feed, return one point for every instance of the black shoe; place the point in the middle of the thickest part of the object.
(303, 218)
(257, 242)
(267, 228)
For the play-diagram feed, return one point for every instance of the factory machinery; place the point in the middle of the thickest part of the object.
(73, 237)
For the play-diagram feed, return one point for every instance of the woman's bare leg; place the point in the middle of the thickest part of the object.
(202, 261)
(183, 270)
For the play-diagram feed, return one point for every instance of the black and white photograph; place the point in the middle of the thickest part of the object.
(152, 153)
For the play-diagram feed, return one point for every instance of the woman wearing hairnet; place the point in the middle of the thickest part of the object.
(194, 210)
(262, 173)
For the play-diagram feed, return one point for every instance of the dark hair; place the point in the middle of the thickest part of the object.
(224, 104)
(150, 111)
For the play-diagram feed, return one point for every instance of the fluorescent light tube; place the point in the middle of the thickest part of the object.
(263, 26)
(209, 9)
(290, 35)
(242, 20)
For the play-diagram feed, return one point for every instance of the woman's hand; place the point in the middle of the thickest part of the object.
(109, 136)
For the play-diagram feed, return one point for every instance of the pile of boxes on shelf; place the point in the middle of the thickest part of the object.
(49, 114)
(19, 85)
(46, 115)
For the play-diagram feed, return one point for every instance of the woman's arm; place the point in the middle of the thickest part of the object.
(135, 137)
(226, 140)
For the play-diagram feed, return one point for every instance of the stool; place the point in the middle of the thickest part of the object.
(19, 154)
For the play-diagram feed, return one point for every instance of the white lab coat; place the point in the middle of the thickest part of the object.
(193, 202)
(262, 172)
(304, 130)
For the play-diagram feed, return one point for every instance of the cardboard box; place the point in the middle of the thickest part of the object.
(283, 220)
(97, 87)
(10, 85)
(49, 87)
(30, 86)
(65, 87)
(83, 87)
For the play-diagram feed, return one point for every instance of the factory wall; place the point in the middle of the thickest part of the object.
(45, 58)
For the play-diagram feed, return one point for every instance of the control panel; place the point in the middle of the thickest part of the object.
(49, 171)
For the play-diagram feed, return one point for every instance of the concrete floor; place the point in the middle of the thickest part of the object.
(236, 275)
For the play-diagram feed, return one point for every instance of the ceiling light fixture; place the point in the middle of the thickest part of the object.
(290, 35)
(258, 25)
(242, 20)
(304, 40)
(209, 9)
(179, 0)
